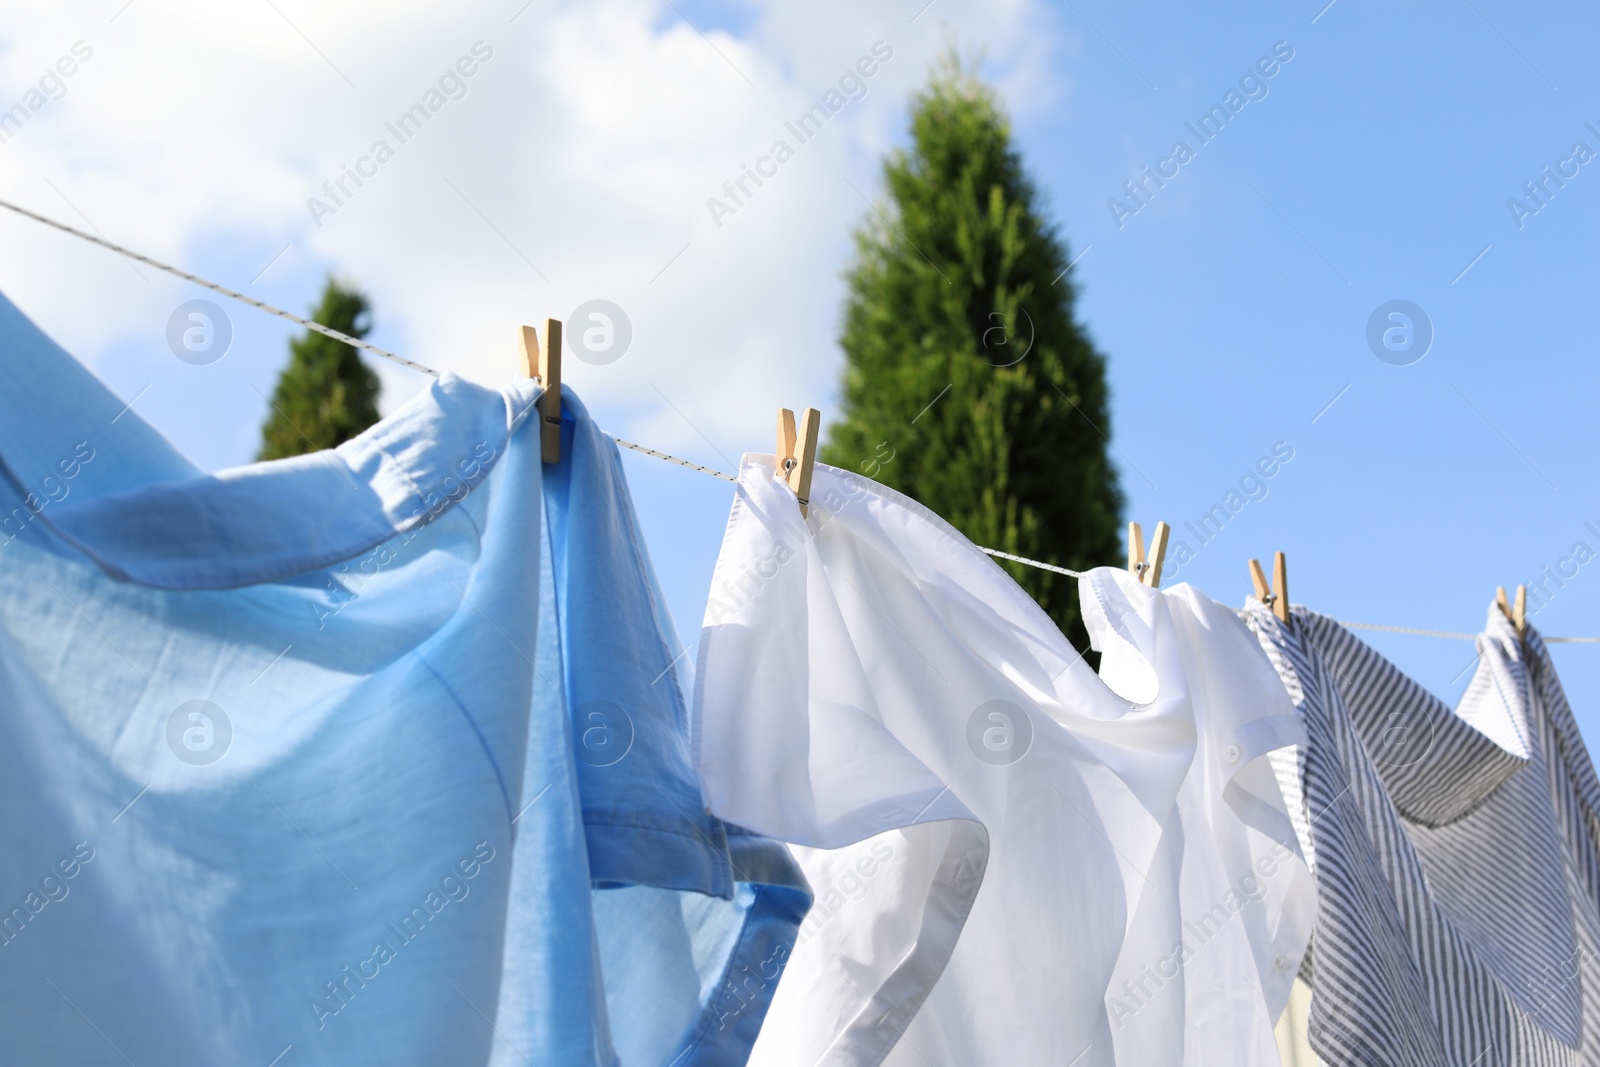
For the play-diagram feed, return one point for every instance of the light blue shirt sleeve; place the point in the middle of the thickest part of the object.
(694, 919)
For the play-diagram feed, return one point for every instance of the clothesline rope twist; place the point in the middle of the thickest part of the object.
(1457, 636)
(1411, 630)
(674, 459)
(224, 290)
(430, 372)
(1033, 562)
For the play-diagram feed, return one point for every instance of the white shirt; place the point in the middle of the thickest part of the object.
(1246, 897)
(877, 691)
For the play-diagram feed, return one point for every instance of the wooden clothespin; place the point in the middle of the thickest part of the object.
(1147, 571)
(1277, 601)
(545, 365)
(1516, 611)
(797, 454)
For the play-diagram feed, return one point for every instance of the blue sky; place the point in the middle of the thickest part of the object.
(1374, 165)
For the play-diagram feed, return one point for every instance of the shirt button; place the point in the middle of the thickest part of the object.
(1231, 754)
(1284, 962)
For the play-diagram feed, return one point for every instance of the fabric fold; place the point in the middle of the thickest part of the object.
(270, 521)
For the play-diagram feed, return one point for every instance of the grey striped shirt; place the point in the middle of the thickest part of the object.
(1456, 854)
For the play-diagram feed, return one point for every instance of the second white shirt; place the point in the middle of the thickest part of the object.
(875, 690)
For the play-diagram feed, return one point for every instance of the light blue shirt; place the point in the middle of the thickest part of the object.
(374, 756)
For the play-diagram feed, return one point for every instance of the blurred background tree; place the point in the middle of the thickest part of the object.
(968, 384)
(326, 395)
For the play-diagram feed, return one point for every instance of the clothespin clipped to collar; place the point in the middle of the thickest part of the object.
(797, 454)
(545, 365)
(1516, 611)
(1278, 601)
(1148, 571)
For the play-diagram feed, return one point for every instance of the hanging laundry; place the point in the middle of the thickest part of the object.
(1455, 851)
(1003, 869)
(693, 917)
(333, 760)
(1247, 902)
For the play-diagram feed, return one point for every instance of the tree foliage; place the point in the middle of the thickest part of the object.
(968, 385)
(326, 395)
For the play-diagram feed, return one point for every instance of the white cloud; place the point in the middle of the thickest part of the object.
(584, 150)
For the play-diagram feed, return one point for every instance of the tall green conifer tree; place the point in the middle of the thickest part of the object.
(326, 395)
(968, 385)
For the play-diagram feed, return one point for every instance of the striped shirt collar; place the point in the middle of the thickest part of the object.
(1437, 763)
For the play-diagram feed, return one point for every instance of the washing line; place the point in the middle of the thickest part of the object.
(430, 372)
(224, 290)
(1458, 636)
